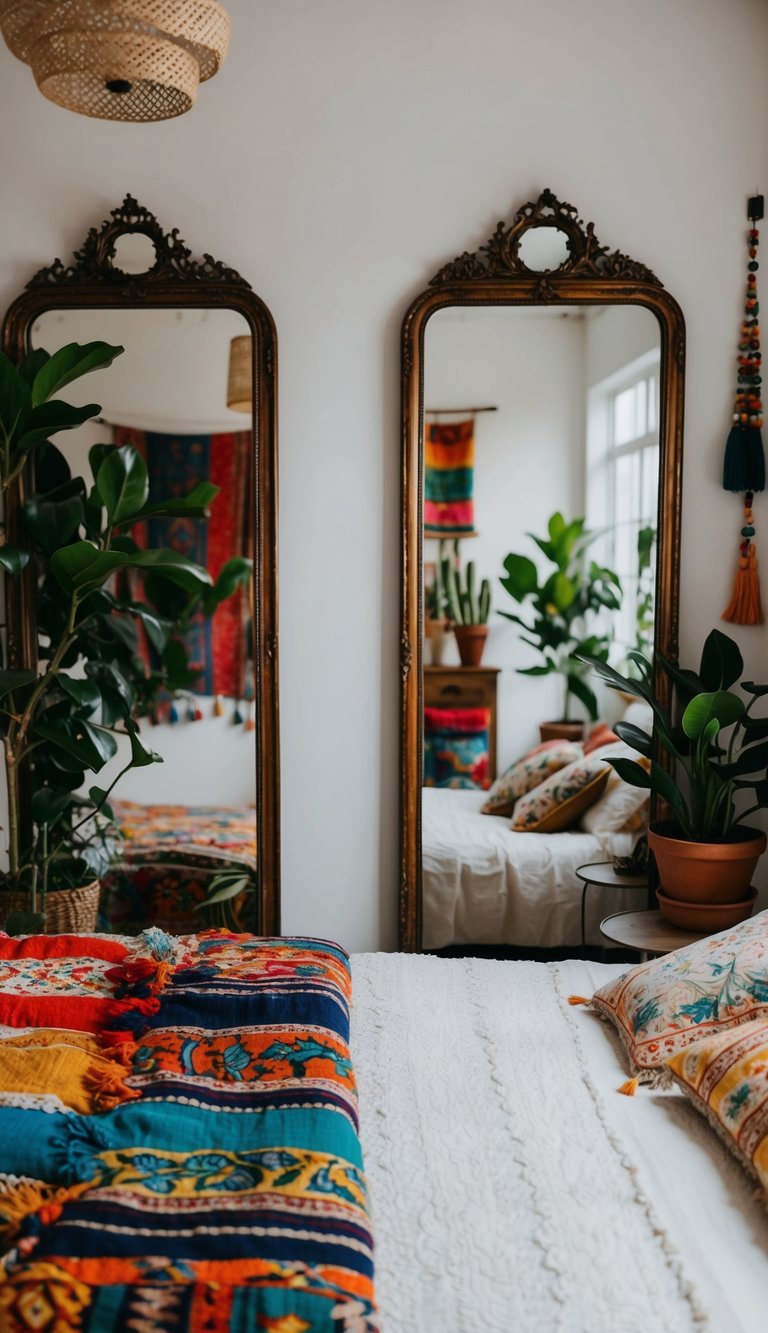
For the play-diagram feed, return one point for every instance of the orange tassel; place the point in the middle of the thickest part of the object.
(630, 1087)
(578, 999)
(745, 606)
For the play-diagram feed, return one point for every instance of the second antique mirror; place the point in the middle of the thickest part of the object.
(194, 396)
(542, 451)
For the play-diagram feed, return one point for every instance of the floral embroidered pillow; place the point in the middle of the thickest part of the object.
(662, 1007)
(726, 1078)
(557, 803)
(527, 773)
(621, 807)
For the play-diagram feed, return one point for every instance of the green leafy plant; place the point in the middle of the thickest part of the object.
(644, 606)
(224, 899)
(562, 607)
(63, 719)
(716, 747)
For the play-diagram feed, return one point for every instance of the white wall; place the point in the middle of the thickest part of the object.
(344, 152)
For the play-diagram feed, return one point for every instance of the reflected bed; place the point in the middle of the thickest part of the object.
(484, 884)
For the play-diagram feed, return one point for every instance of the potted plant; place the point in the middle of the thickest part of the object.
(706, 851)
(468, 609)
(562, 608)
(62, 719)
(437, 624)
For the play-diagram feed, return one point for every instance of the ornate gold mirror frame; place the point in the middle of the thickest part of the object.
(177, 280)
(496, 275)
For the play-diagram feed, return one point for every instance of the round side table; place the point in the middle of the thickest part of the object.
(603, 876)
(647, 932)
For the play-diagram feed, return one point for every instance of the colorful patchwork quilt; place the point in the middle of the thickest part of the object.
(178, 1137)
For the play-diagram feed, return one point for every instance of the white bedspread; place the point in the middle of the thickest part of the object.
(484, 884)
(513, 1188)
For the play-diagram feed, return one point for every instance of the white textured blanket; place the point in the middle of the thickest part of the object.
(506, 1194)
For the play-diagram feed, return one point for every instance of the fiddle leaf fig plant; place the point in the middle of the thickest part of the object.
(716, 746)
(562, 606)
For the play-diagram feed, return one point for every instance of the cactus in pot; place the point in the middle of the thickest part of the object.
(468, 608)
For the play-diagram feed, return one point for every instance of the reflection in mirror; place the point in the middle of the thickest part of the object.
(187, 661)
(540, 522)
(543, 249)
(134, 252)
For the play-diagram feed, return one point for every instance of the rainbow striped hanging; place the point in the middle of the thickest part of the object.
(449, 463)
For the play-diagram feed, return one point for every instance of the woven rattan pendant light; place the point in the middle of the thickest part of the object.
(240, 379)
(118, 59)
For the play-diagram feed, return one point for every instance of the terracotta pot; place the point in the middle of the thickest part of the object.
(706, 872)
(561, 731)
(470, 640)
(707, 918)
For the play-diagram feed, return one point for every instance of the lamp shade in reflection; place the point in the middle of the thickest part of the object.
(136, 60)
(240, 381)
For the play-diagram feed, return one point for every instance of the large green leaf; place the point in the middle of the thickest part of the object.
(752, 759)
(68, 364)
(48, 804)
(12, 560)
(234, 574)
(15, 680)
(140, 755)
(52, 471)
(563, 591)
(31, 364)
(82, 567)
(724, 707)
(522, 577)
(15, 399)
(88, 745)
(84, 693)
(721, 662)
(52, 417)
(635, 737)
(53, 521)
(122, 482)
(583, 693)
(194, 505)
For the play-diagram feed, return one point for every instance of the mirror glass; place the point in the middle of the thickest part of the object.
(166, 397)
(543, 249)
(540, 431)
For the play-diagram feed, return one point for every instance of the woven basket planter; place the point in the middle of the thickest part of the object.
(67, 911)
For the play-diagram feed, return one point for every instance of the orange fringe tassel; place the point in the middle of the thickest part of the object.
(630, 1087)
(745, 606)
(578, 999)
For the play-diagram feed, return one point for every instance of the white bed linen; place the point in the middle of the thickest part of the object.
(484, 884)
(514, 1188)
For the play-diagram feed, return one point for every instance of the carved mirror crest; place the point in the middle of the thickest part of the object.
(542, 382)
(205, 688)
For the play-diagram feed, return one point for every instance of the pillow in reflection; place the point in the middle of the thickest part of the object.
(600, 735)
(556, 804)
(457, 747)
(527, 773)
(621, 808)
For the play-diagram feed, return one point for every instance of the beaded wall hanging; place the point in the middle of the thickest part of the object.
(744, 466)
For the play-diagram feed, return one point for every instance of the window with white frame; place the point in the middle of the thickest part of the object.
(622, 492)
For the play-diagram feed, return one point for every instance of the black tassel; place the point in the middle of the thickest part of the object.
(744, 465)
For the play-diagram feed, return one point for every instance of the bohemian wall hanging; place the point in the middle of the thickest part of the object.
(744, 467)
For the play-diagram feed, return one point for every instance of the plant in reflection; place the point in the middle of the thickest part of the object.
(644, 613)
(62, 720)
(562, 610)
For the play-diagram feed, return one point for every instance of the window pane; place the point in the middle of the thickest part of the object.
(653, 393)
(624, 416)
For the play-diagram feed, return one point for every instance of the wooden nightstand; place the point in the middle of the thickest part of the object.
(603, 875)
(647, 932)
(464, 687)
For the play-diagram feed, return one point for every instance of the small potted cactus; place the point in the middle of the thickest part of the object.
(468, 608)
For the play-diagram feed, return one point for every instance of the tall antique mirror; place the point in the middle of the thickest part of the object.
(193, 396)
(542, 383)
